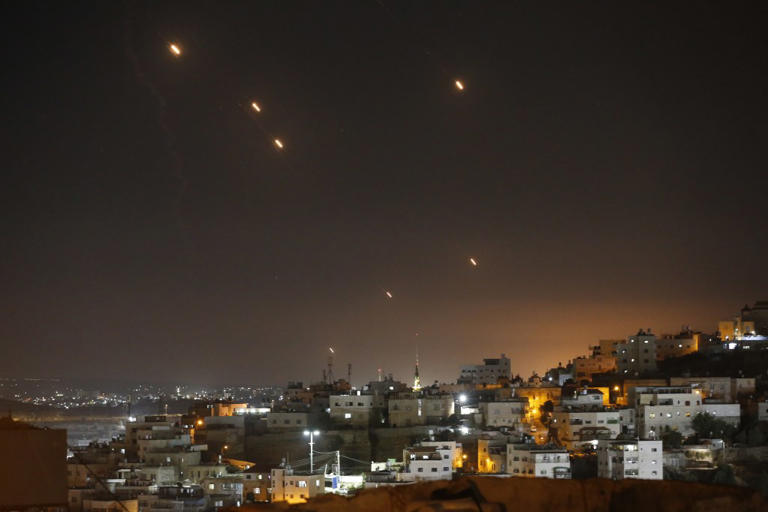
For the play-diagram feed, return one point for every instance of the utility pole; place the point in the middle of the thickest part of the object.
(311, 434)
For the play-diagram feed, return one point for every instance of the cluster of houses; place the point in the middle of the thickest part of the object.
(612, 404)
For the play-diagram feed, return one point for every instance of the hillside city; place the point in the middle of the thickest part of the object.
(689, 406)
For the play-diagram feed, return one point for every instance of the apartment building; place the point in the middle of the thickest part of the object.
(487, 373)
(293, 487)
(354, 410)
(508, 413)
(538, 461)
(577, 426)
(637, 355)
(639, 459)
(426, 463)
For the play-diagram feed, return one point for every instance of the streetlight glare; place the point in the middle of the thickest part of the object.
(306, 432)
(279, 143)
(317, 432)
(459, 85)
(174, 49)
(255, 106)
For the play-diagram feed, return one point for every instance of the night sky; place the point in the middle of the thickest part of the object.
(605, 165)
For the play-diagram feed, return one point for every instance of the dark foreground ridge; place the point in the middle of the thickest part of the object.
(490, 494)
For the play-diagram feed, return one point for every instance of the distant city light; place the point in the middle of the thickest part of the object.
(174, 49)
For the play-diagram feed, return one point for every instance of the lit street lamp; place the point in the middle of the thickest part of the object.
(311, 434)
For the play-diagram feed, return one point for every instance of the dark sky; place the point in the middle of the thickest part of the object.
(605, 165)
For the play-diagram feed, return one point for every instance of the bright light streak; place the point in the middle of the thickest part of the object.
(255, 106)
(473, 262)
(174, 49)
(279, 143)
(331, 349)
(389, 294)
(459, 85)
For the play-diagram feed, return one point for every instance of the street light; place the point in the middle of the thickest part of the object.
(311, 434)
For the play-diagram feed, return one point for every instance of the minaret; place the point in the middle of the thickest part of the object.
(416, 379)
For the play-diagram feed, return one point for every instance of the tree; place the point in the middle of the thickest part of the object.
(546, 409)
(671, 439)
(707, 426)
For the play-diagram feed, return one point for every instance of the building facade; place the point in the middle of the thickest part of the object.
(639, 459)
(536, 461)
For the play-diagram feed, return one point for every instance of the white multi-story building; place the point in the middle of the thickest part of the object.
(637, 355)
(426, 463)
(673, 408)
(487, 373)
(537, 461)
(640, 459)
(576, 427)
(662, 408)
(509, 413)
(452, 449)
